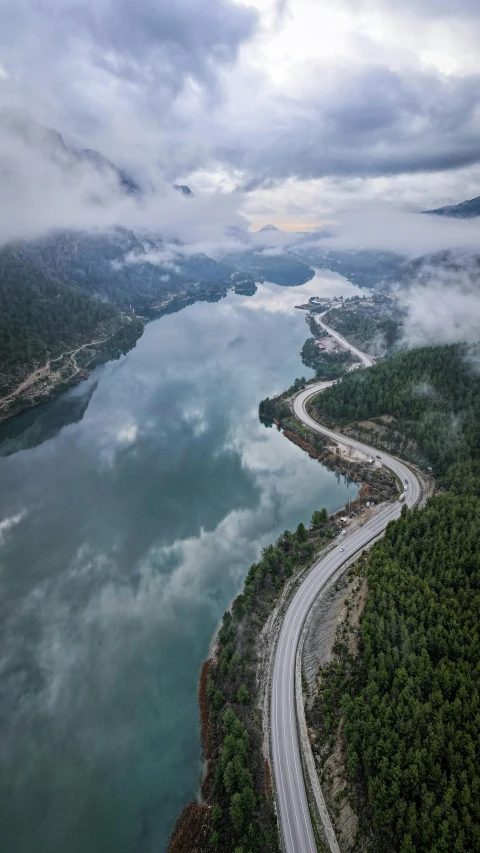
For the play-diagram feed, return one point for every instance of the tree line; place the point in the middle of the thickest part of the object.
(412, 706)
(433, 393)
(327, 365)
(41, 317)
(242, 815)
(362, 328)
(410, 701)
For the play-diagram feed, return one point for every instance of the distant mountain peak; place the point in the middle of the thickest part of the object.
(182, 188)
(465, 210)
(269, 228)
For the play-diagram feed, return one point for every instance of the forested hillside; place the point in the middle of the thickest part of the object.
(114, 266)
(410, 701)
(374, 329)
(412, 704)
(327, 365)
(458, 269)
(41, 317)
(363, 267)
(71, 288)
(433, 395)
(285, 270)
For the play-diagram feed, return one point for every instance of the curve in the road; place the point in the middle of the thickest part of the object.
(366, 360)
(293, 811)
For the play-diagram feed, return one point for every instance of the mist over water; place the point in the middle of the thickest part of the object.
(130, 511)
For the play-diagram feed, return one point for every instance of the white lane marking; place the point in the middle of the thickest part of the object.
(300, 789)
(276, 748)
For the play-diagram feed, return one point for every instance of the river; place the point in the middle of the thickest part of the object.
(130, 511)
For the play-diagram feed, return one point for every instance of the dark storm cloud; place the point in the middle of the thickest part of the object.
(149, 39)
(71, 55)
(143, 82)
(192, 33)
(367, 122)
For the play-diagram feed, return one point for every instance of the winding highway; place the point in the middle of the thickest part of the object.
(366, 360)
(293, 811)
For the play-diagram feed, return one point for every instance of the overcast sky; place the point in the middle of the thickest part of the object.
(312, 107)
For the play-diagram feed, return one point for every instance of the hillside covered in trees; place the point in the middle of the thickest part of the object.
(404, 711)
(412, 707)
(327, 365)
(374, 328)
(408, 705)
(423, 404)
(41, 317)
(113, 265)
(66, 288)
(285, 269)
(71, 288)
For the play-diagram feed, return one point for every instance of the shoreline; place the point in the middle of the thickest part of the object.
(196, 816)
(46, 383)
(50, 384)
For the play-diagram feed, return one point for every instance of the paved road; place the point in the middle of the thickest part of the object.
(364, 358)
(293, 813)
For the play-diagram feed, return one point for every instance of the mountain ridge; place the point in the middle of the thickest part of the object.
(468, 209)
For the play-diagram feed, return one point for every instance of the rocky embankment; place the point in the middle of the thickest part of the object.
(331, 635)
(378, 484)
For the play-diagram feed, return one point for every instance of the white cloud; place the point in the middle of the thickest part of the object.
(386, 228)
(310, 105)
(128, 434)
(443, 303)
(8, 523)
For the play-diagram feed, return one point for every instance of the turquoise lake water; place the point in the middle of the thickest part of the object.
(130, 511)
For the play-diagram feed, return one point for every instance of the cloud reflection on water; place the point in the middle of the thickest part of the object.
(141, 520)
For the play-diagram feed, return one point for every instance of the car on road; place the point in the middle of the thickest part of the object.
(378, 457)
(342, 549)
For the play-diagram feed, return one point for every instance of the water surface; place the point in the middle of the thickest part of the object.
(130, 511)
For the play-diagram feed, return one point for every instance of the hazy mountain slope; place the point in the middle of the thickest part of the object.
(115, 266)
(364, 267)
(49, 143)
(441, 265)
(465, 210)
(283, 269)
